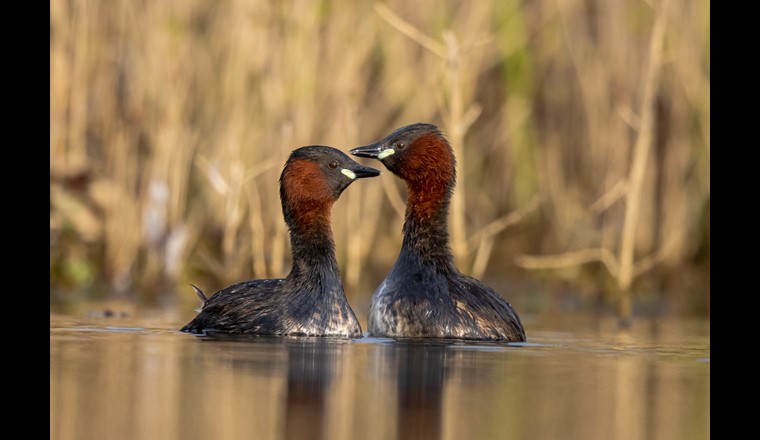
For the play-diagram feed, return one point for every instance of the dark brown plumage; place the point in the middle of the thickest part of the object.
(425, 295)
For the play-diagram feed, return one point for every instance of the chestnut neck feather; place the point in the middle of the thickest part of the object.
(307, 200)
(429, 170)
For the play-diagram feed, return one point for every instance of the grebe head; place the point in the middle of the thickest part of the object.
(417, 153)
(314, 177)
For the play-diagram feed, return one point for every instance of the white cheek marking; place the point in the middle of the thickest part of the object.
(385, 153)
(348, 173)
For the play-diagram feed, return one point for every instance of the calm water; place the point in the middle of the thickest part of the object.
(577, 378)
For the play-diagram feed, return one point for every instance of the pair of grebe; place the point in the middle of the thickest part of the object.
(424, 295)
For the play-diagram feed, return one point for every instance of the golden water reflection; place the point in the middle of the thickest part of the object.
(139, 382)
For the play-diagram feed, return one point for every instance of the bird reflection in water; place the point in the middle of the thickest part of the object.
(420, 382)
(309, 366)
(311, 371)
(317, 391)
(436, 385)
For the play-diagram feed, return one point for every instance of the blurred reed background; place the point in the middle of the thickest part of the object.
(581, 128)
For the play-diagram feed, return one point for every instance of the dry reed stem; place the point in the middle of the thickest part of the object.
(410, 31)
(487, 234)
(258, 232)
(572, 258)
(482, 256)
(457, 129)
(648, 262)
(641, 149)
(617, 192)
(495, 227)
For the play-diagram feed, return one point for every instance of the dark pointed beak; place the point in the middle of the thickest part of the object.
(371, 150)
(361, 171)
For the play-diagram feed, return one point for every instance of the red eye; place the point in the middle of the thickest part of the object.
(334, 164)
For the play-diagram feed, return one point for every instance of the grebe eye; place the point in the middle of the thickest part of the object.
(400, 145)
(333, 165)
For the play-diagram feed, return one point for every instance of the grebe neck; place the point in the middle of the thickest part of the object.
(313, 251)
(425, 229)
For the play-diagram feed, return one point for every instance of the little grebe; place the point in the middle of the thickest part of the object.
(425, 295)
(310, 300)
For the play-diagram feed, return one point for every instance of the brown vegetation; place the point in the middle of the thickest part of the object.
(581, 129)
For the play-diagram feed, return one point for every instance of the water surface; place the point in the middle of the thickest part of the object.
(576, 378)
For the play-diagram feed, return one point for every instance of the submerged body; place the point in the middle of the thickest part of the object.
(310, 301)
(425, 295)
